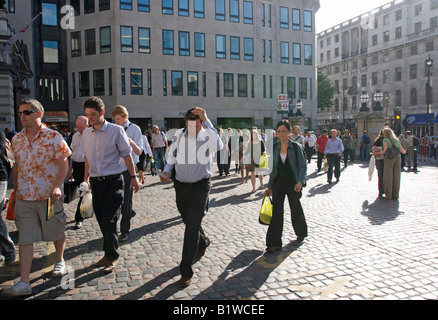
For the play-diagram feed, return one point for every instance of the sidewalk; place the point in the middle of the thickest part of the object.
(359, 246)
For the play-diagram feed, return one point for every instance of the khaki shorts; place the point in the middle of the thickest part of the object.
(30, 219)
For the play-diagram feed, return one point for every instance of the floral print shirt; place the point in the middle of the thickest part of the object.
(37, 163)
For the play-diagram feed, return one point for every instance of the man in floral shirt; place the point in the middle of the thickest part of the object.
(41, 166)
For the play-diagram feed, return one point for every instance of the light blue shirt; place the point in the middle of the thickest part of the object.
(105, 149)
(134, 133)
(192, 157)
(334, 146)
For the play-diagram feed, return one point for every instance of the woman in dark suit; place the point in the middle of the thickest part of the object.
(287, 178)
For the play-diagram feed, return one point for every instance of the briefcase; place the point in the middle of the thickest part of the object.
(71, 191)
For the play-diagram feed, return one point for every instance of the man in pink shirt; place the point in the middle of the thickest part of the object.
(321, 142)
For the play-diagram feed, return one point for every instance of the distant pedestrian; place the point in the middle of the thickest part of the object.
(191, 156)
(392, 166)
(297, 137)
(287, 178)
(77, 163)
(378, 146)
(309, 143)
(107, 156)
(321, 143)
(333, 153)
(413, 143)
(41, 166)
(135, 138)
(346, 140)
(365, 147)
(159, 146)
(404, 143)
(144, 158)
(353, 147)
(255, 151)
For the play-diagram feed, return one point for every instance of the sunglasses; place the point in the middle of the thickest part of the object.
(27, 112)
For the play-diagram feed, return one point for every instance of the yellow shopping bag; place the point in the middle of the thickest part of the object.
(264, 162)
(266, 211)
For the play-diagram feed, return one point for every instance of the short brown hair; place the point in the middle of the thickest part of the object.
(35, 104)
(119, 111)
(94, 103)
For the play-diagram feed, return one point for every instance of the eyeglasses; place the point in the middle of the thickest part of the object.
(27, 112)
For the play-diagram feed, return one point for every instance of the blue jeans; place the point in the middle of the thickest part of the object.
(365, 152)
(159, 154)
(7, 247)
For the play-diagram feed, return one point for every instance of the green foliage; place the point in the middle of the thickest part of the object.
(326, 91)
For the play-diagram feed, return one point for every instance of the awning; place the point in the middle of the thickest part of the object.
(55, 116)
(435, 120)
(418, 118)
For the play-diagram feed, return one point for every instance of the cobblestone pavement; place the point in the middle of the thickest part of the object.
(360, 247)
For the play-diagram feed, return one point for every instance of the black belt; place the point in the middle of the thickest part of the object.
(109, 177)
(194, 183)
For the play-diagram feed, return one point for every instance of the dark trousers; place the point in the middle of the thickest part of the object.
(107, 199)
(334, 161)
(319, 161)
(379, 167)
(346, 155)
(275, 230)
(127, 212)
(191, 201)
(78, 176)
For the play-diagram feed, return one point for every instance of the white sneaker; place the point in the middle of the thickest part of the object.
(19, 289)
(59, 269)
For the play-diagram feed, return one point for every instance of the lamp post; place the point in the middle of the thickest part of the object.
(378, 97)
(429, 64)
(364, 99)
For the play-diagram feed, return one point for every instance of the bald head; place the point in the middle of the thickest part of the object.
(81, 123)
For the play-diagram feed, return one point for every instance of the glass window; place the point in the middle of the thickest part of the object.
(242, 85)
(220, 10)
(308, 25)
(192, 83)
(110, 82)
(144, 5)
(284, 17)
(220, 47)
(234, 11)
(177, 83)
(164, 83)
(11, 6)
(126, 4)
(167, 41)
(123, 82)
(291, 87)
(50, 17)
(73, 84)
(149, 75)
(105, 39)
(199, 44)
(199, 8)
(144, 40)
(167, 6)
(90, 42)
(228, 85)
(99, 82)
(76, 50)
(50, 51)
(76, 4)
(296, 51)
(284, 52)
(296, 21)
(184, 43)
(183, 8)
(104, 5)
(88, 6)
(248, 44)
(84, 84)
(204, 84)
(247, 12)
(218, 91)
(126, 39)
(308, 55)
(303, 88)
(137, 81)
(235, 48)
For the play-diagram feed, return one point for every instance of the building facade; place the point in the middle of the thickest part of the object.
(383, 50)
(158, 58)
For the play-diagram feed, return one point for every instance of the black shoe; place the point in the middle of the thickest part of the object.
(337, 180)
(184, 282)
(78, 225)
(329, 181)
(300, 239)
(123, 237)
(273, 249)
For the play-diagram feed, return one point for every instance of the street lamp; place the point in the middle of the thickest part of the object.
(299, 106)
(378, 97)
(364, 99)
(429, 64)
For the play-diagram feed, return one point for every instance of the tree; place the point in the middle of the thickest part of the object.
(326, 91)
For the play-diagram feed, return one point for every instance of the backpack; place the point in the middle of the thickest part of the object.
(392, 152)
(367, 139)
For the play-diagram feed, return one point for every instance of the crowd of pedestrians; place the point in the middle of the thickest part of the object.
(112, 159)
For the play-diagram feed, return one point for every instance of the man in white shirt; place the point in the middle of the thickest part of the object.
(309, 142)
(121, 117)
(159, 146)
(77, 163)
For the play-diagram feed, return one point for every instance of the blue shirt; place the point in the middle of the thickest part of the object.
(105, 149)
(134, 133)
(192, 157)
(334, 146)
